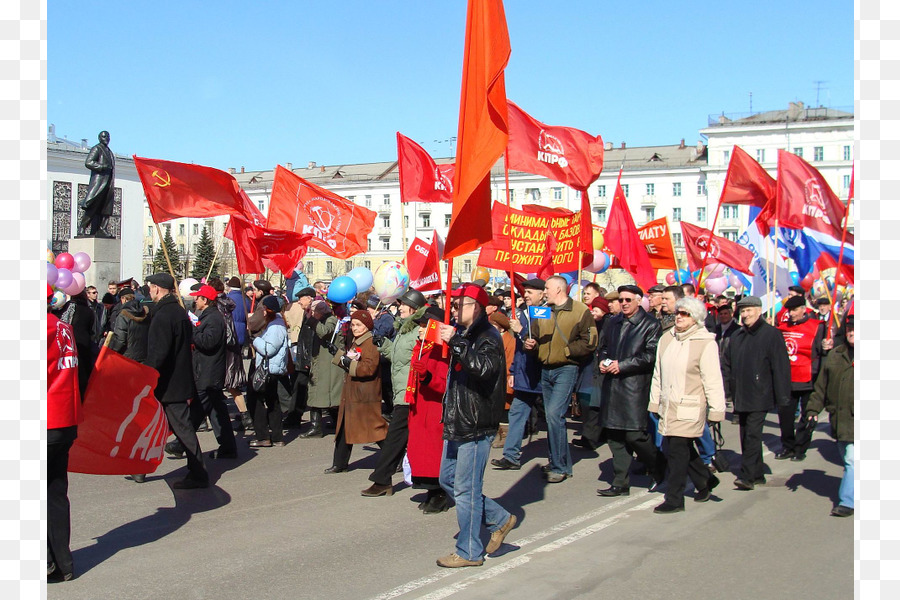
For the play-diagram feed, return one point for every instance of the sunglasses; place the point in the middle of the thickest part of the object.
(682, 313)
(626, 300)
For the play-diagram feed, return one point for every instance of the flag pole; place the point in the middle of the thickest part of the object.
(444, 348)
(512, 275)
(215, 256)
(712, 232)
(843, 241)
(162, 243)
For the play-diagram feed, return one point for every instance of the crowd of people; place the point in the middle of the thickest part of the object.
(652, 383)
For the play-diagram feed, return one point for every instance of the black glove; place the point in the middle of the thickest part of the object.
(330, 347)
(344, 363)
(378, 340)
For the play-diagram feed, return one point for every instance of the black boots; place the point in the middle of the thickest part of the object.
(315, 420)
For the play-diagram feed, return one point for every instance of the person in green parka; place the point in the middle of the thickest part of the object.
(399, 352)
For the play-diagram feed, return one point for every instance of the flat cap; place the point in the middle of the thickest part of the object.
(633, 289)
(535, 284)
(794, 302)
(656, 289)
(163, 280)
(749, 301)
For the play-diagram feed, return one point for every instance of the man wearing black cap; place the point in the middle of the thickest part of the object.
(823, 309)
(793, 291)
(627, 354)
(169, 352)
(757, 376)
(654, 297)
(526, 374)
(804, 337)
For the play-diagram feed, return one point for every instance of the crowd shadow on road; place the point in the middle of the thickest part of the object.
(151, 528)
(816, 481)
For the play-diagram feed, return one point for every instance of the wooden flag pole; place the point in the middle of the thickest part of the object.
(512, 275)
(162, 243)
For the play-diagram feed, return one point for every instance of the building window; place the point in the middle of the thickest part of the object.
(650, 213)
(368, 200)
(730, 235)
(798, 152)
(329, 267)
(701, 214)
(512, 198)
(847, 155)
(181, 248)
(651, 189)
(676, 188)
(348, 266)
(351, 198)
(557, 193)
(150, 231)
(447, 220)
(261, 205)
(386, 221)
(426, 220)
(625, 189)
(818, 153)
(369, 245)
(385, 243)
(386, 199)
(727, 155)
(601, 191)
(310, 267)
(761, 155)
(846, 182)
(196, 229)
(729, 211)
(467, 266)
(601, 214)
(367, 264)
(534, 194)
(150, 249)
(701, 189)
(676, 239)
(181, 229)
(405, 221)
(676, 215)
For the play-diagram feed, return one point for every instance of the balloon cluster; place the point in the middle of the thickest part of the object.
(65, 272)
(601, 260)
(390, 281)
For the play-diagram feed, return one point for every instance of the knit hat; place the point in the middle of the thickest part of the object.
(363, 317)
(271, 303)
(601, 303)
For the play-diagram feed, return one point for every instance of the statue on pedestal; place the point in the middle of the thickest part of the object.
(98, 203)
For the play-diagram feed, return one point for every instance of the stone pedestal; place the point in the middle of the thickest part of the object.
(106, 260)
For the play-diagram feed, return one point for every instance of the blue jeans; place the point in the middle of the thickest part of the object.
(462, 476)
(705, 445)
(557, 385)
(845, 492)
(519, 411)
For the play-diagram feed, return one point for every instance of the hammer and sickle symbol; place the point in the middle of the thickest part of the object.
(160, 180)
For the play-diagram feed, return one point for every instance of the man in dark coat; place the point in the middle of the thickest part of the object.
(209, 371)
(757, 375)
(626, 354)
(169, 352)
(131, 328)
(473, 403)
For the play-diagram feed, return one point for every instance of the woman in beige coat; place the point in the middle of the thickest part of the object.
(685, 392)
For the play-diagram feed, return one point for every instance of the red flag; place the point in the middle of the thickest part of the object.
(251, 212)
(175, 189)
(546, 268)
(423, 262)
(433, 332)
(658, 242)
(699, 241)
(805, 200)
(564, 154)
(124, 428)
(622, 238)
(746, 182)
(483, 129)
(340, 227)
(252, 244)
(421, 180)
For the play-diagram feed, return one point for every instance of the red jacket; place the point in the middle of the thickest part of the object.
(425, 394)
(63, 398)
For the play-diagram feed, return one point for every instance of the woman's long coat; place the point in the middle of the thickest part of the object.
(360, 410)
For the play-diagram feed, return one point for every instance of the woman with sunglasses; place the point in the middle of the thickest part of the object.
(685, 392)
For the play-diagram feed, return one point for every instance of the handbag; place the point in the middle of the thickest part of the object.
(260, 376)
(719, 460)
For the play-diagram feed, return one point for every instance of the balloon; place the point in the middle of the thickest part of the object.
(807, 282)
(59, 298)
(795, 277)
(841, 279)
(714, 270)
(645, 302)
(363, 278)
(736, 283)
(829, 281)
(682, 276)
(82, 262)
(598, 240)
(63, 278)
(670, 278)
(52, 273)
(184, 288)
(569, 279)
(342, 289)
(600, 262)
(64, 260)
(76, 286)
(818, 289)
(50, 256)
(716, 285)
(391, 281)
(79, 278)
(480, 273)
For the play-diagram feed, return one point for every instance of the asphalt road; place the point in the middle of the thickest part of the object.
(274, 526)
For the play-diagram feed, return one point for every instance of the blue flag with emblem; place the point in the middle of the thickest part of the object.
(538, 312)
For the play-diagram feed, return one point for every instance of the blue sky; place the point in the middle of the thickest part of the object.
(255, 84)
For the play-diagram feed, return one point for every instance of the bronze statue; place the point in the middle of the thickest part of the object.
(98, 202)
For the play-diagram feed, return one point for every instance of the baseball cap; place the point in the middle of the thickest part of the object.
(205, 291)
(469, 290)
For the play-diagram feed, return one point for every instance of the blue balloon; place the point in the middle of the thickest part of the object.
(795, 277)
(363, 278)
(570, 276)
(682, 275)
(606, 266)
(342, 289)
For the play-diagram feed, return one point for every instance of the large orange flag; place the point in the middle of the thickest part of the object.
(483, 126)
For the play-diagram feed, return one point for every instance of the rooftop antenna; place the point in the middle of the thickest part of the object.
(751, 102)
(818, 88)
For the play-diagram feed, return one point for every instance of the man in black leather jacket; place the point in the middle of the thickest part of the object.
(473, 403)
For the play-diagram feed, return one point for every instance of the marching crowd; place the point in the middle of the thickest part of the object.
(652, 383)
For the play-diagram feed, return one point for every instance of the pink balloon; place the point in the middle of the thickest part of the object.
(79, 278)
(64, 260)
(735, 283)
(52, 273)
(716, 285)
(63, 278)
(645, 303)
(600, 262)
(76, 286)
(670, 278)
(714, 270)
(82, 262)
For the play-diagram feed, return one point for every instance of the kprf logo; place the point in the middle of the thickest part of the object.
(550, 150)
